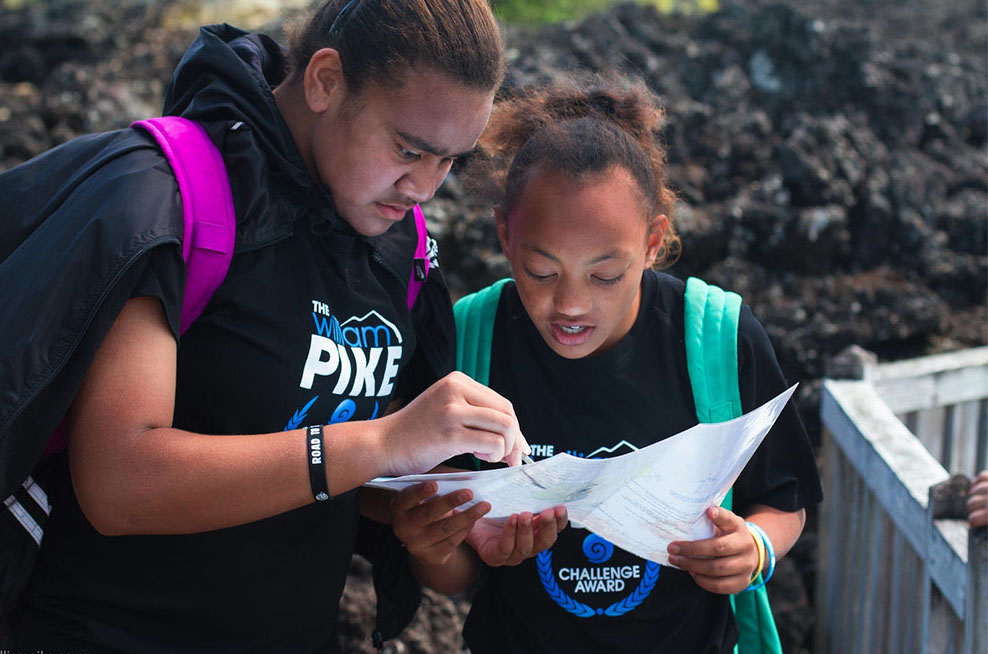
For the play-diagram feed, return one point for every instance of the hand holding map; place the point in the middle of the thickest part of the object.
(640, 501)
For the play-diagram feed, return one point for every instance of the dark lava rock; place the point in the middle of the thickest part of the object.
(829, 160)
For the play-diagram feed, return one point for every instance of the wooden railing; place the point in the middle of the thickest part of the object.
(892, 578)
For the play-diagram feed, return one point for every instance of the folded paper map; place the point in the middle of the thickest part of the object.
(640, 501)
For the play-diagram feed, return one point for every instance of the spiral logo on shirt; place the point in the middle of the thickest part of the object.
(597, 549)
(344, 411)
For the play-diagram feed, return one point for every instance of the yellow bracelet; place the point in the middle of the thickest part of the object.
(760, 546)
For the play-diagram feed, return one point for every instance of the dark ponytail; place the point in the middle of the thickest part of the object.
(380, 40)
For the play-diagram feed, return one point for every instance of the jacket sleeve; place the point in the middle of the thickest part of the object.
(71, 259)
(398, 592)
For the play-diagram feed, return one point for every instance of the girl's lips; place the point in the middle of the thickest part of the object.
(568, 338)
(391, 212)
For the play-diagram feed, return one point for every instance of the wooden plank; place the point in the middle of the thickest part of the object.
(913, 603)
(969, 440)
(964, 436)
(848, 611)
(857, 582)
(946, 556)
(982, 456)
(929, 430)
(948, 444)
(976, 624)
(932, 389)
(875, 544)
(899, 470)
(941, 632)
(911, 420)
(944, 627)
(830, 530)
(897, 600)
(882, 565)
(921, 366)
(925, 591)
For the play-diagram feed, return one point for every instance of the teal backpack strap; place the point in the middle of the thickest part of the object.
(712, 350)
(712, 317)
(474, 315)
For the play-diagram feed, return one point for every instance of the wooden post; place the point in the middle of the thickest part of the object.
(946, 502)
(976, 623)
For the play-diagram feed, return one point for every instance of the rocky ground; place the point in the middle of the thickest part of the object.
(830, 158)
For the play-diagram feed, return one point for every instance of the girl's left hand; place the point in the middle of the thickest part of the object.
(724, 563)
(521, 536)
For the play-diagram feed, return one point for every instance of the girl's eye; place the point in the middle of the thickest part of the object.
(609, 281)
(539, 278)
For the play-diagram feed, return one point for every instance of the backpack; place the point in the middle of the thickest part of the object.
(711, 323)
(209, 230)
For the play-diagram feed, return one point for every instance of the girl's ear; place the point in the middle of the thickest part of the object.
(323, 81)
(656, 234)
(501, 220)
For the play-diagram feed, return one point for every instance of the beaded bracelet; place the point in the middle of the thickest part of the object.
(770, 552)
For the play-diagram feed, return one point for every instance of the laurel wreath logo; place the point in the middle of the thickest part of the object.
(299, 416)
(543, 564)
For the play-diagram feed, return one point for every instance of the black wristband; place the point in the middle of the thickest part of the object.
(317, 464)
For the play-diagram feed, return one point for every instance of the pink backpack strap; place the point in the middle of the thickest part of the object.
(207, 211)
(420, 264)
(207, 207)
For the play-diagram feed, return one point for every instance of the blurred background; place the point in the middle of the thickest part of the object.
(829, 157)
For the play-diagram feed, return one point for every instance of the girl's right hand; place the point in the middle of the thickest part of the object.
(456, 415)
(431, 527)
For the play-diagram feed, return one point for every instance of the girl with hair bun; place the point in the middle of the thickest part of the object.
(588, 345)
(192, 509)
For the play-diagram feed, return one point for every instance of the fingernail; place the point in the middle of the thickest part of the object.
(674, 549)
(713, 512)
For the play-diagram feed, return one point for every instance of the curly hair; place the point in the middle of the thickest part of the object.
(579, 127)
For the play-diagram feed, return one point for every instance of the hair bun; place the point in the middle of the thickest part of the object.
(602, 102)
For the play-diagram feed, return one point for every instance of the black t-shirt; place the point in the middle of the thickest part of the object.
(584, 594)
(309, 330)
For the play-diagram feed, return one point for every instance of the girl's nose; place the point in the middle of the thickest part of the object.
(571, 299)
(420, 183)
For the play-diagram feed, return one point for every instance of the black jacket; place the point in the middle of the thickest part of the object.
(79, 217)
